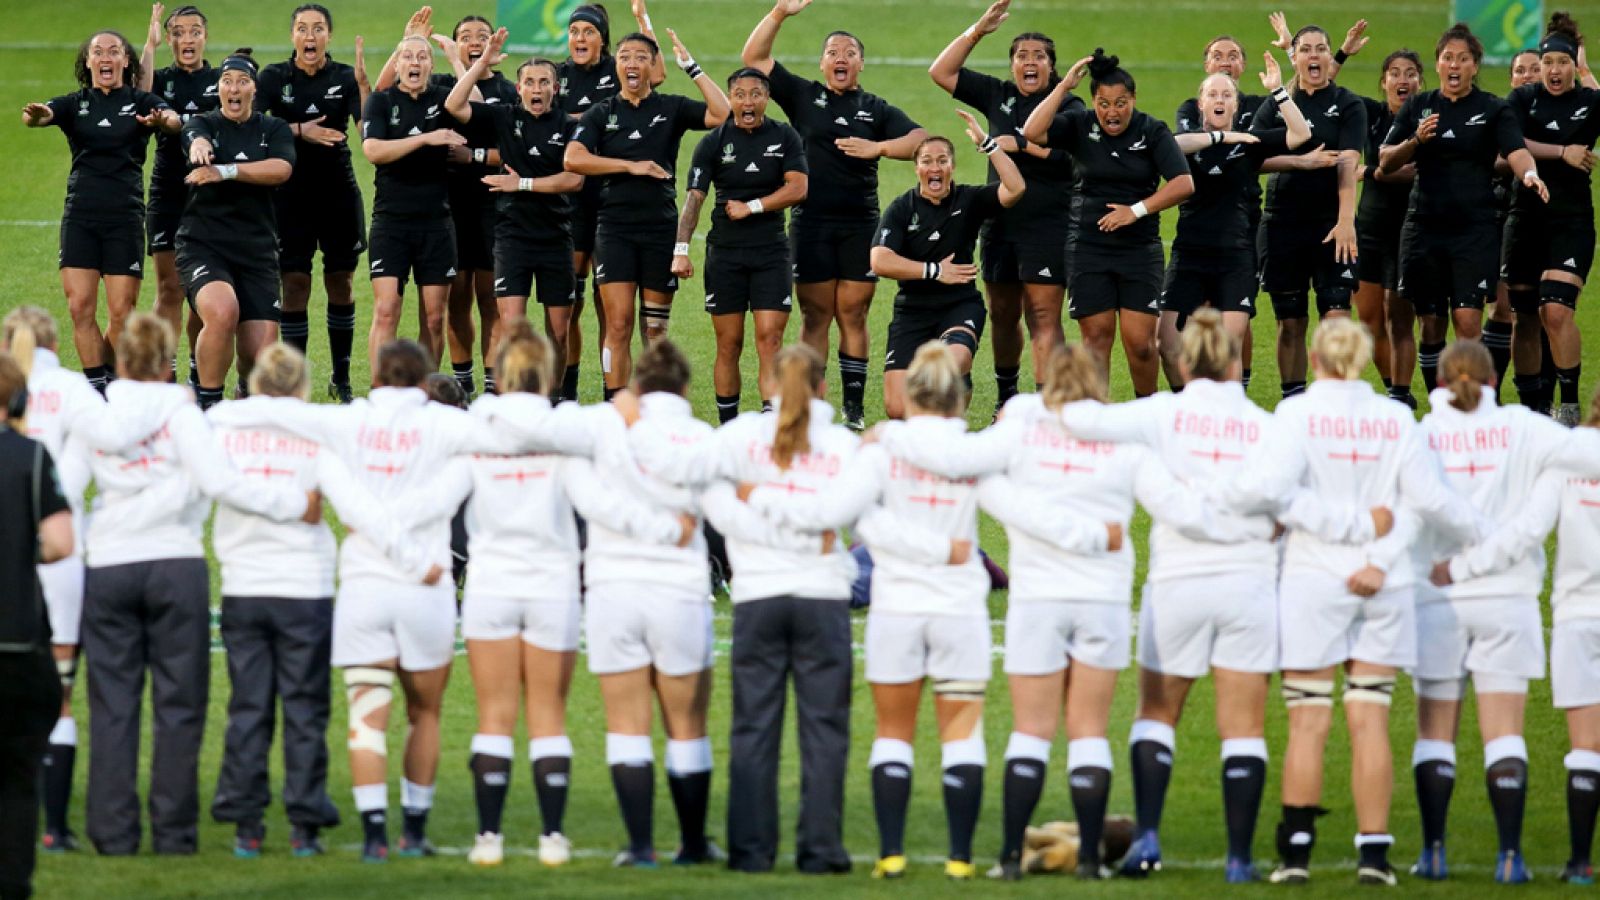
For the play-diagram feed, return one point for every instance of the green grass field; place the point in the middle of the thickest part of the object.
(1160, 43)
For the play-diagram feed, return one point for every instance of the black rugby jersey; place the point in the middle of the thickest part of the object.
(579, 88)
(189, 94)
(744, 165)
(1383, 203)
(1455, 170)
(233, 215)
(842, 187)
(1338, 122)
(921, 230)
(652, 131)
(1124, 169)
(287, 92)
(108, 147)
(1044, 205)
(1573, 117)
(1217, 216)
(533, 146)
(1189, 117)
(496, 90)
(413, 186)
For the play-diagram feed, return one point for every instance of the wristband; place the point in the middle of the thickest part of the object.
(681, 248)
(931, 271)
(1280, 95)
(989, 145)
(524, 184)
(1216, 138)
(649, 29)
(690, 68)
(1139, 210)
(479, 155)
(755, 207)
(228, 172)
(1339, 56)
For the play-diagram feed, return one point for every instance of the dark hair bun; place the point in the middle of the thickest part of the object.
(246, 52)
(1562, 22)
(1101, 65)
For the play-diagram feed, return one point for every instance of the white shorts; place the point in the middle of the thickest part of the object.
(1227, 621)
(62, 582)
(1046, 636)
(1322, 624)
(1492, 636)
(375, 621)
(547, 624)
(907, 647)
(1575, 663)
(629, 627)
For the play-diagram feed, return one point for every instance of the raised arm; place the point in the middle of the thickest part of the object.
(459, 103)
(147, 57)
(717, 107)
(641, 19)
(947, 67)
(1011, 184)
(1297, 129)
(1037, 129)
(757, 53)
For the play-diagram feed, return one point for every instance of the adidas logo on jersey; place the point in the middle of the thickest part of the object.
(241, 156)
(635, 136)
(1347, 274)
(1552, 126)
(752, 168)
(414, 130)
(934, 236)
(1045, 272)
(1154, 305)
(1483, 285)
(105, 123)
(533, 151)
(583, 101)
(1571, 263)
(1246, 303)
(786, 300)
(191, 105)
(134, 267)
(841, 121)
(1215, 170)
(1448, 133)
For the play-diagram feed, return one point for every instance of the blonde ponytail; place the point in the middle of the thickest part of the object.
(144, 352)
(1206, 349)
(1343, 348)
(28, 327)
(280, 372)
(800, 372)
(1465, 367)
(1072, 373)
(933, 382)
(525, 363)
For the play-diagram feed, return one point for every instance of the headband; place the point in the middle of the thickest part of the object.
(585, 14)
(238, 63)
(1557, 42)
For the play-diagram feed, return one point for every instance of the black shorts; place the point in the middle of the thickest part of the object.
(332, 220)
(520, 264)
(1106, 281)
(427, 250)
(474, 218)
(635, 255)
(748, 279)
(162, 215)
(1294, 259)
(913, 325)
(1445, 270)
(1222, 280)
(1007, 261)
(830, 251)
(254, 283)
(110, 248)
(1535, 244)
(585, 219)
(1379, 260)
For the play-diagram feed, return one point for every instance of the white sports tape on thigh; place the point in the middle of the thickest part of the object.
(369, 691)
(1376, 689)
(960, 688)
(966, 752)
(1307, 692)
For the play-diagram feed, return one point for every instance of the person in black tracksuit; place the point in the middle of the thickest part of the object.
(1379, 217)
(1449, 248)
(630, 142)
(228, 241)
(189, 86)
(923, 245)
(1114, 250)
(758, 167)
(406, 136)
(107, 123)
(531, 190)
(1307, 239)
(1552, 246)
(847, 131)
(320, 207)
(1024, 270)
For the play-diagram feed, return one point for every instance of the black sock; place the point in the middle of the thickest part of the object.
(462, 372)
(691, 794)
(635, 784)
(1091, 789)
(295, 329)
(1567, 380)
(57, 774)
(194, 376)
(1244, 378)
(1529, 389)
(966, 380)
(97, 377)
(963, 800)
(551, 775)
(208, 397)
(1244, 778)
(891, 794)
(606, 393)
(341, 336)
(1583, 802)
(1152, 769)
(1024, 783)
(375, 826)
(853, 381)
(491, 778)
(172, 377)
(415, 823)
(1297, 834)
(1005, 383)
(1388, 385)
(488, 381)
(1436, 780)
(1547, 369)
(1373, 850)
(1508, 794)
(727, 407)
(1428, 362)
(569, 383)
(1497, 340)
(1292, 388)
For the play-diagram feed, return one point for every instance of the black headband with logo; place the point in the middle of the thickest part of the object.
(237, 63)
(1558, 42)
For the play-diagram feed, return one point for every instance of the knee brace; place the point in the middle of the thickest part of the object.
(368, 690)
(1377, 689)
(1299, 692)
(959, 689)
(961, 337)
(67, 671)
(1562, 292)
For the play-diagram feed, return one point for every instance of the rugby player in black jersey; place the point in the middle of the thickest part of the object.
(846, 131)
(227, 248)
(758, 169)
(1535, 380)
(107, 123)
(631, 143)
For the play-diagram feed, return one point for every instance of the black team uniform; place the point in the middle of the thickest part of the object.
(747, 262)
(1380, 215)
(831, 232)
(412, 234)
(189, 94)
(579, 89)
(533, 231)
(228, 231)
(320, 206)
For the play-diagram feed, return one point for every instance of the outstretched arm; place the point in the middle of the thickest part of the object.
(757, 53)
(947, 67)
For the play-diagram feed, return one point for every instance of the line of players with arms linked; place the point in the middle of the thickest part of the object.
(1114, 265)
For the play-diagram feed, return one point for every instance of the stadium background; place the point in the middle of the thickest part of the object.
(1160, 43)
